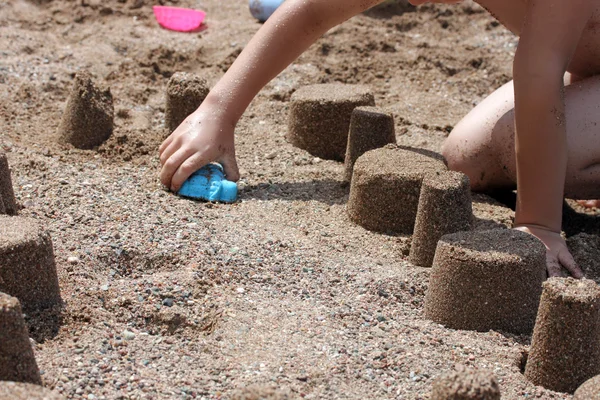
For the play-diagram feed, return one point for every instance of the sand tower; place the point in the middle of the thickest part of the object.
(486, 280)
(17, 362)
(26, 391)
(589, 390)
(444, 207)
(8, 204)
(370, 128)
(385, 188)
(565, 348)
(466, 385)
(88, 118)
(185, 93)
(320, 117)
(27, 269)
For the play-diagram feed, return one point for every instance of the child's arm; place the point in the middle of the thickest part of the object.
(549, 38)
(207, 134)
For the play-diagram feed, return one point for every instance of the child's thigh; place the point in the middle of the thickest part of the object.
(483, 144)
(473, 145)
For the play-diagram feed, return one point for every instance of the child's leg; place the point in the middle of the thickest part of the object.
(482, 144)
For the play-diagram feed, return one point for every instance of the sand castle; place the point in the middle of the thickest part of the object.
(320, 117)
(385, 188)
(185, 93)
(27, 269)
(8, 204)
(486, 280)
(589, 390)
(370, 128)
(88, 117)
(17, 362)
(26, 391)
(466, 385)
(585, 249)
(444, 207)
(565, 348)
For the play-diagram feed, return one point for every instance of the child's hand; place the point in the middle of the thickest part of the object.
(557, 253)
(205, 136)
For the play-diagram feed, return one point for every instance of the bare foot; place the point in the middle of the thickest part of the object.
(589, 203)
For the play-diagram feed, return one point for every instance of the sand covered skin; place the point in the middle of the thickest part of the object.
(466, 384)
(17, 362)
(87, 120)
(27, 268)
(385, 188)
(319, 117)
(25, 391)
(445, 207)
(8, 204)
(485, 280)
(370, 128)
(185, 93)
(565, 348)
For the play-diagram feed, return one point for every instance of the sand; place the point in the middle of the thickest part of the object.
(445, 206)
(8, 203)
(590, 389)
(280, 288)
(27, 267)
(319, 117)
(466, 384)
(17, 362)
(370, 128)
(385, 188)
(87, 120)
(565, 348)
(26, 391)
(484, 280)
(185, 93)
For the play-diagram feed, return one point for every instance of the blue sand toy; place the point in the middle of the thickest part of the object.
(209, 183)
(262, 9)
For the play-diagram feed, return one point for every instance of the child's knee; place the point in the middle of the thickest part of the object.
(469, 152)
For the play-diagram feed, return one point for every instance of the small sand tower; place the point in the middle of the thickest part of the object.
(370, 128)
(590, 390)
(185, 93)
(385, 188)
(565, 348)
(486, 280)
(8, 204)
(17, 362)
(26, 391)
(320, 117)
(27, 269)
(466, 385)
(88, 118)
(444, 207)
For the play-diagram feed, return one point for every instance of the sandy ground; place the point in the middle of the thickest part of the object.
(169, 298)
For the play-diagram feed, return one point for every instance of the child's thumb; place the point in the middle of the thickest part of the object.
(230, 167)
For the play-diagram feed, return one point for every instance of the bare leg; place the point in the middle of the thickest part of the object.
(482, 144)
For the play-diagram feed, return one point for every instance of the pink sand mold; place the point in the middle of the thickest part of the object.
(179, 19)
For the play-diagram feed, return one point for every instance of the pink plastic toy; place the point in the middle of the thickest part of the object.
(179, 19)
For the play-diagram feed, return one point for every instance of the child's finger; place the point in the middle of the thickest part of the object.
(165, 144)
(187, 168)
(566, 259)
(174, 145)
(172, 164)
(552, 265)
(230, 167)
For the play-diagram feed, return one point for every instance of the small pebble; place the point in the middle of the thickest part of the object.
(168, 302)
(73, 260)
